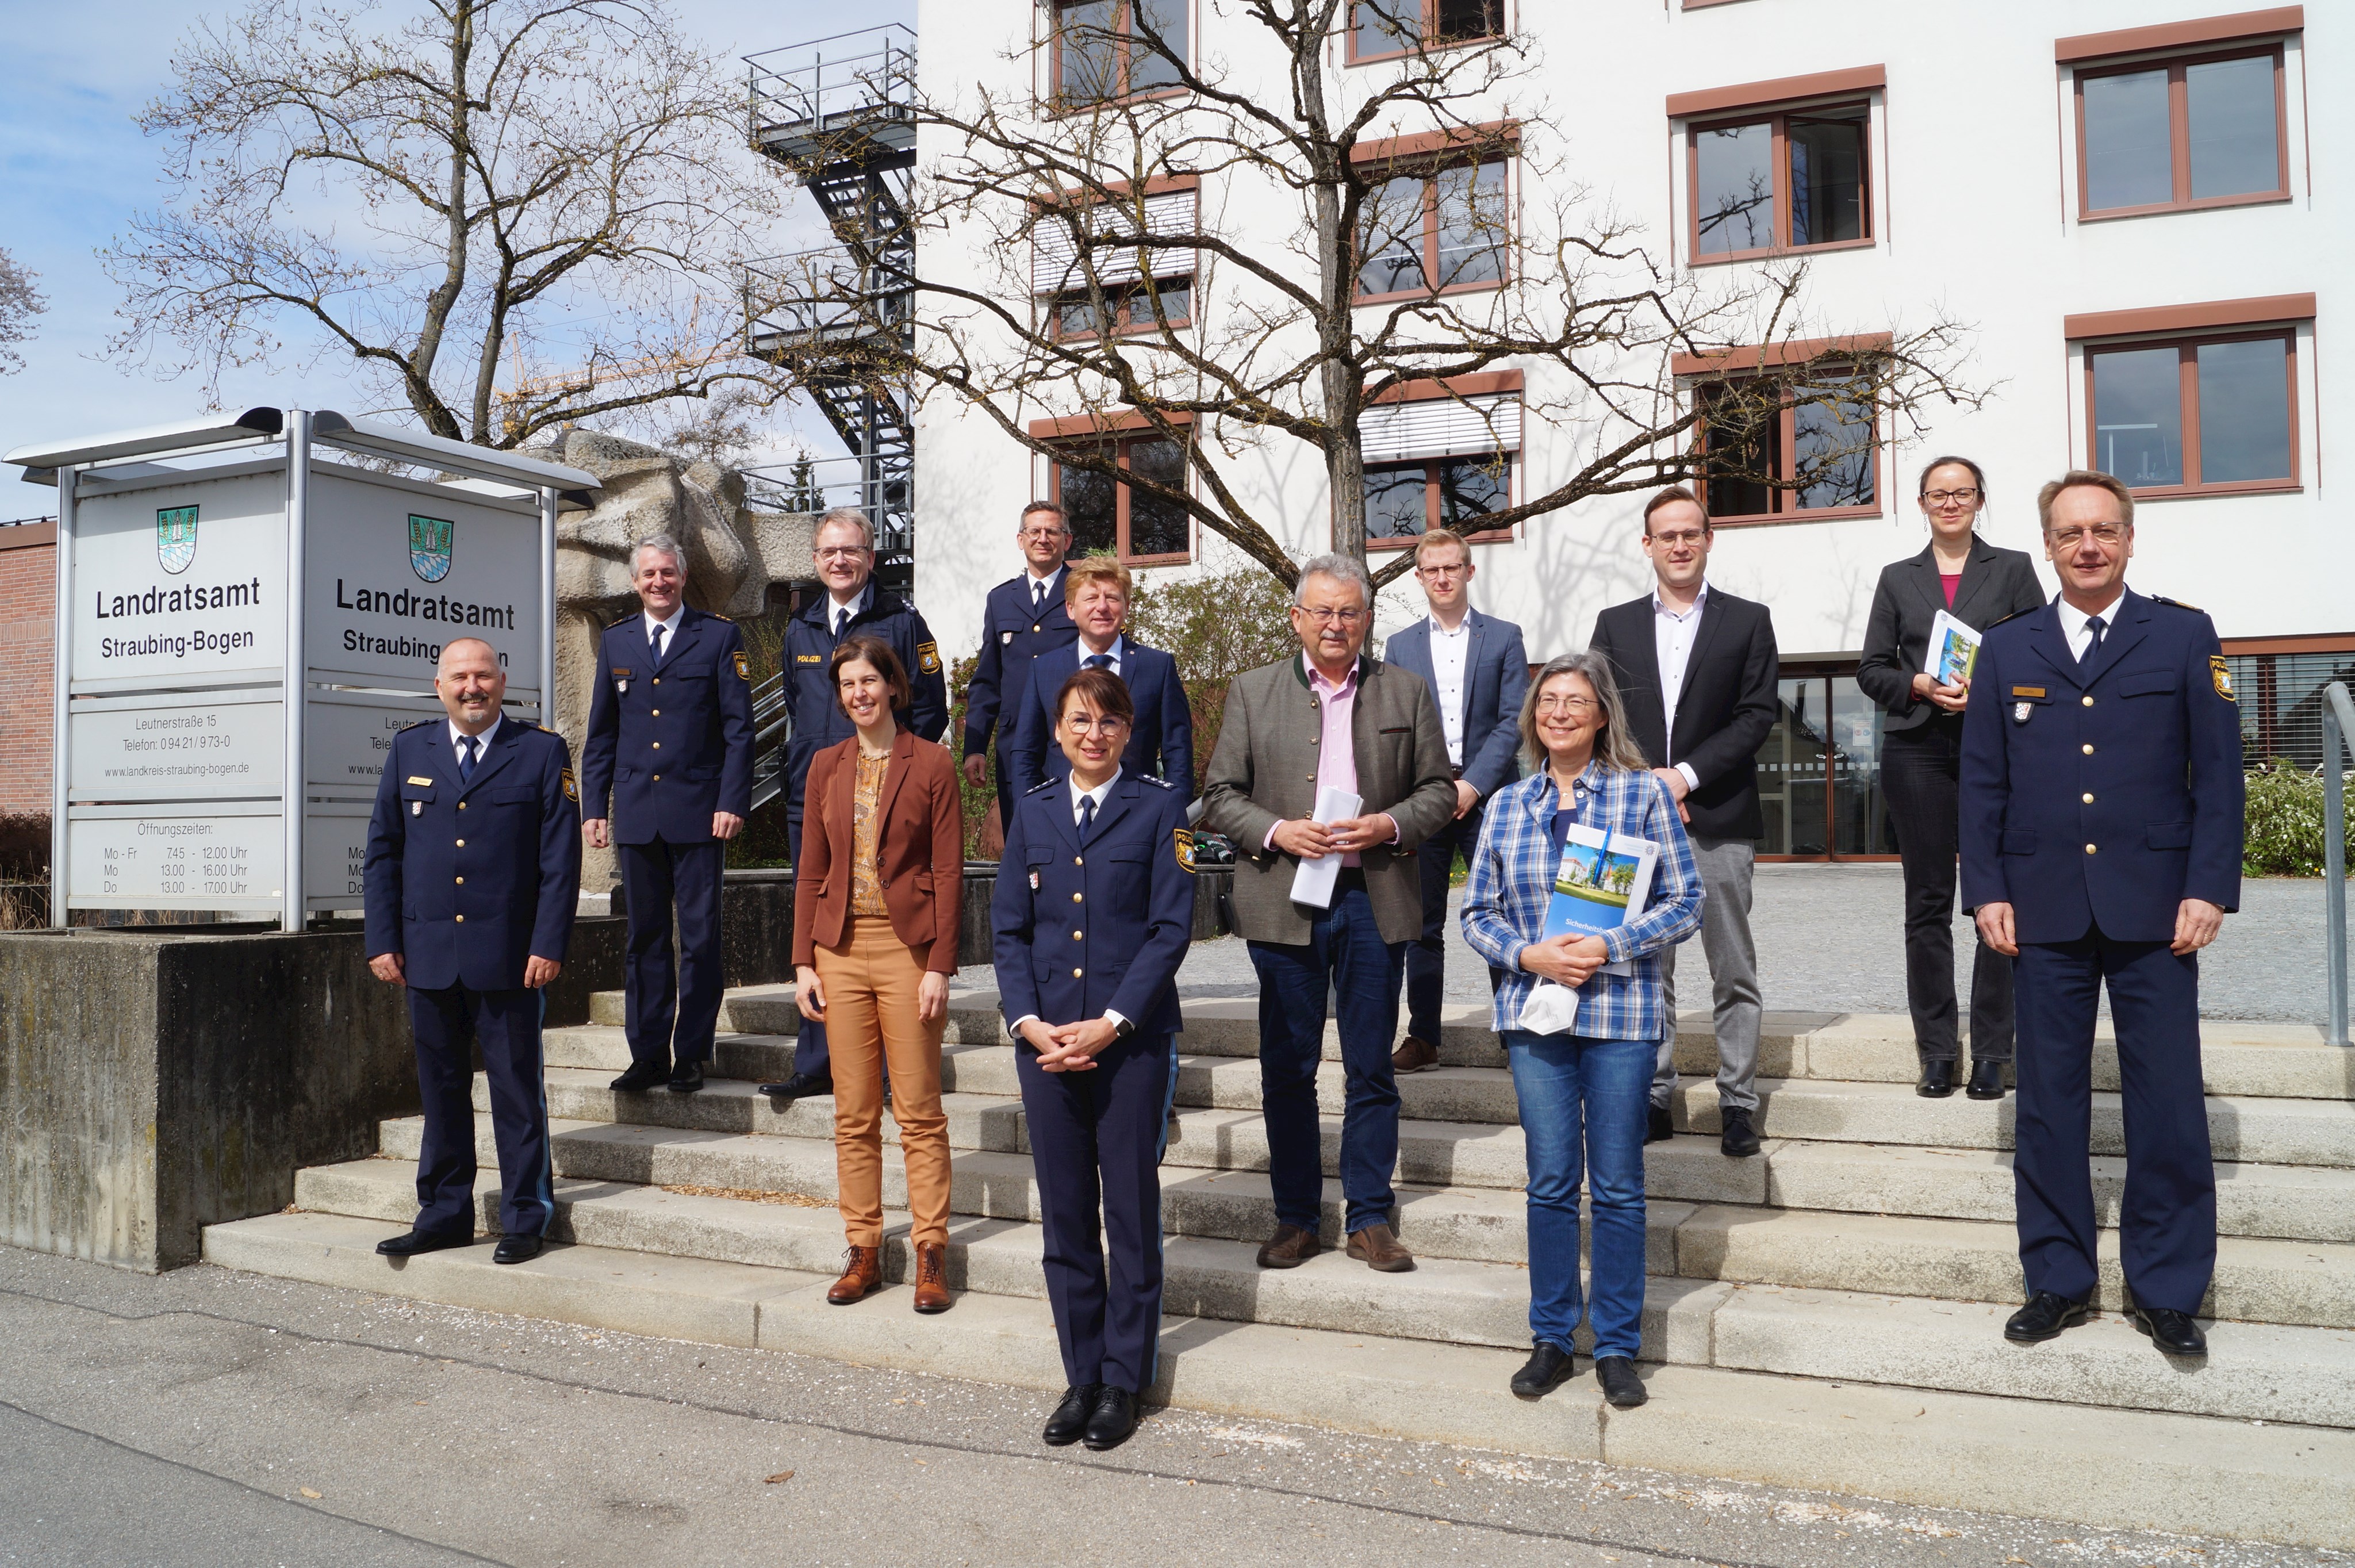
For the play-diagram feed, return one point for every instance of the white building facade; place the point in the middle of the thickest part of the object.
(2128, 206)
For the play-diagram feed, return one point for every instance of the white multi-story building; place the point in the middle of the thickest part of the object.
(2127, 204)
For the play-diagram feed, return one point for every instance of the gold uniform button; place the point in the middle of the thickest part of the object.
(658, 778)
(657, 680)
(1079, 860)
(461, 919)
(462, 843)
(1078, 937)
(1077, 973)
(2089, 848)
(461, 882)
(658, 713)
(462, 806)
(1078, 897)
(2089, 748)
(2089, 800)
(2087, 699)
(657, 745)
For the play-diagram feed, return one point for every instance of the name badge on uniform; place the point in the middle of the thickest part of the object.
(622, 681)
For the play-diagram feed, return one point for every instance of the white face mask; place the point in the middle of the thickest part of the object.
(1551, 1008)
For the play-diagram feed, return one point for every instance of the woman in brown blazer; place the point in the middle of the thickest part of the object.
(878, 899)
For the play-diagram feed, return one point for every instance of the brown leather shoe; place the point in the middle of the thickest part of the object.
(1289, 1248)
(1377, 1246)
(862, 1277)
(933, 1278)
(1414, 1054)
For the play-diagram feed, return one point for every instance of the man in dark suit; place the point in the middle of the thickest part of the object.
(1697, 667)
(1161, 733)
(2100, 802)
(844, 555)
(670, 745)
(1023, 617)
(471, 877)
(1478, 671)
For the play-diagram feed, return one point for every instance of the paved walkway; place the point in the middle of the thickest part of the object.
(208, 1419)
(1831, 938)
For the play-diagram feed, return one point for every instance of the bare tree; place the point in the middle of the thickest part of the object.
(19, 303)
(514, 215)
(1399, 257)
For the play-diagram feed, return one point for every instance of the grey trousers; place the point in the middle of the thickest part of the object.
(1725, 866)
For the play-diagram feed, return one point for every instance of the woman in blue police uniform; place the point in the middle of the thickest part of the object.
(1094, 909)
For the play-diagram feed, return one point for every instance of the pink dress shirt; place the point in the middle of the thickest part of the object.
(1336, 749)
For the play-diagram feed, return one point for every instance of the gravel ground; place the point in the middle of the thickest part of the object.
(209, 1419)
(1831, 939)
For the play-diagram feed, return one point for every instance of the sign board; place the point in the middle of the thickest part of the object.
(181, 584)
(348, 735)
(180, 746)
(177, 857)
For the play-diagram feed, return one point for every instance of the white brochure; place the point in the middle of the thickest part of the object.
(1313, 880)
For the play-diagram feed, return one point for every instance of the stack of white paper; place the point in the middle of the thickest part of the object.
(1313, 880)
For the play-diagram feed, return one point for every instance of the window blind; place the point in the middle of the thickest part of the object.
(1441, 427)
(1054, 259)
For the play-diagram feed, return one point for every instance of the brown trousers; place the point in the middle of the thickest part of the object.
(870, 1023)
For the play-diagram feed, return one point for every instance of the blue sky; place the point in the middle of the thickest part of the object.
(73, 167)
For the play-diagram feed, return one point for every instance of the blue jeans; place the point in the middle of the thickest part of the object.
(1582, 1096)
(1345, 950)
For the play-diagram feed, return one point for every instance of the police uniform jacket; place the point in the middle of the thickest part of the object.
(818, 719)
(1012, 632)
(465, 882)
(670, 744)
(1160, 739)
(1079, 928)
(2103, 795)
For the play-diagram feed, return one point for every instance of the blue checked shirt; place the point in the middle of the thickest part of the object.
(1511, 884)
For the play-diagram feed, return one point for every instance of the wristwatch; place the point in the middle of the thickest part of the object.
(1123, 1028)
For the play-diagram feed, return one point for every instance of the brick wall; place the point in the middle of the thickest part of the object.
(28, 587)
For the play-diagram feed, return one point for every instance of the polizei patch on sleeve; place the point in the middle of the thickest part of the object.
(2222, 673)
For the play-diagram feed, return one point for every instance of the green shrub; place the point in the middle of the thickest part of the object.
(2284, 833)
(1216, 628)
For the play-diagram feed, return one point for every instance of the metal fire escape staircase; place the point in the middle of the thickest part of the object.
(838, 114)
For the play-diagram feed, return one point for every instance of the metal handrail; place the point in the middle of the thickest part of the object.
(2338, 725)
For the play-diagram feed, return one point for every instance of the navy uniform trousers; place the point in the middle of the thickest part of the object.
(673, 1000)
(507, 1024)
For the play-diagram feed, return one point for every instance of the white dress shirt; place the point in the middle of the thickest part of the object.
(1448, 652)
(458, 738)
(2080, 635)
(669, 627)
(1119, 645)
(1044, 590)
(1080, 797)
(839, 616)
(1672, 642)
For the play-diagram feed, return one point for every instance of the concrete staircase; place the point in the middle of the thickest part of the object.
(1827, 1315)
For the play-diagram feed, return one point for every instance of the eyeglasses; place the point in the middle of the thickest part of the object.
(1573, 706)
(1447, 569)
(1080, 724)
(1684, 537)
(1040, 534)
(1324, 614)
(840, 552)
(2104, 534)
(1950, 498)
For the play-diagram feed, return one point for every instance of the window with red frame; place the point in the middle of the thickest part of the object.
(1380, 28)
(1108, 513)
(1406, 500)
(1817, 456)
(2196, 414)
(1786, 181)
(1125, 311)
(2207, 131)
(1104, 49)
(1439, 228)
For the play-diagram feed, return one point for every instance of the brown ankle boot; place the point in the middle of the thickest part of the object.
(862, 1277)
(933, 1277)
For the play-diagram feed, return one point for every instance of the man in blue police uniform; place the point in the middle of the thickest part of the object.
(670, 744)
(473, 875)
(1161, 733)
(2101, 801)
(1098, 861)
(1024, 617)
(844, 554)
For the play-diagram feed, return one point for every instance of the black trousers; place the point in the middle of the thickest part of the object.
(674, 1006)
(1918, 772)
(1426, 957)
(448, 1025)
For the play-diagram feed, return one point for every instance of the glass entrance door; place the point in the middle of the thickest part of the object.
(1819, 773)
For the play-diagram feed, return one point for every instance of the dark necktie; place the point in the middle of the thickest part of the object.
(658, 640)
(2094, 643)
(1087, 816)
(466, 744)
(841, 620)
(1096, 661)
(1038, 595)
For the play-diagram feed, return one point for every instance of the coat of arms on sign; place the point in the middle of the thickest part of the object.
(175, 538)
(429, 547)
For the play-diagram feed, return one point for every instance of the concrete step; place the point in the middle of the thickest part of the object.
(603, 1048)
(2272, 1131)
(735, 1105)
(2104, 1466)
(743, 1009)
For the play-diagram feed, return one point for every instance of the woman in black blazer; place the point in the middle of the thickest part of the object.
(1921, 752)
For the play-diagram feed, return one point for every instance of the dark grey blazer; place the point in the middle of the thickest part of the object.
(1496, 673)
(1996, 583)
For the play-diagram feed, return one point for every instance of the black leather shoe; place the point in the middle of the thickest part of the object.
(410, 1243)
(1621, 1386)
(686, 1078)
(642, 1075)
(795, 1088)
(1113, 1418)
(1548, 1368)
(1987, 1080)
(1736, 1138)
(517, 1249)
(1659, 1126)
(2174, 1332)
(2044, 1317)
(1937, 1080)
(1070, 1422)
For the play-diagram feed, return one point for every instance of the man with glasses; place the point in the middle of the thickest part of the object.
(2100, 802)
(1697, 668)
(1024, 617)
(1477, 670)
(844, 555)
(1331, 719)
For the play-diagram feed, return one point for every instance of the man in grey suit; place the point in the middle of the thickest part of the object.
(1477, 670)
(1331, 719)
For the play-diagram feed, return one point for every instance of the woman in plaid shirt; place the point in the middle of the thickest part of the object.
(1595, 1075)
